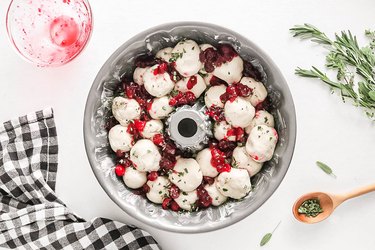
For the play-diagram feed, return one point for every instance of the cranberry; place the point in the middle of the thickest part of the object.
(161, 69)
(126, 163)
(227, 52)
(232, 90)
(120, 154)
(152, 176)
(239, 134)
(167, 164)
(139, 125)
(174, 206)
(208, 180)
(166, 203)
(130, 90)
(145, 189)
(169, 149)
(158, 140)
(173, 102)
(223, 168)
(192, 82)
(243, 90)
(214, 81)
(217, 161)
(149, 105)
(131, 129)
(216, 113)
(190, 97)
(204, 199)
(120, 170)
(225, 145)
(174, 192)
(224, 97)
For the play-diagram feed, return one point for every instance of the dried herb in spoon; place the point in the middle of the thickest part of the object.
(311, 208)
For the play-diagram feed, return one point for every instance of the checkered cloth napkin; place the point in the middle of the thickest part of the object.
(31, 215)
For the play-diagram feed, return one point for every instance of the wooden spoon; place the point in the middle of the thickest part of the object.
(328, 202)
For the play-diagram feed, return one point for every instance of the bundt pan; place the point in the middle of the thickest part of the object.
(101, 158)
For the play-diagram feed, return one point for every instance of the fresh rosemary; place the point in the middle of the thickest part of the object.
(354, 65)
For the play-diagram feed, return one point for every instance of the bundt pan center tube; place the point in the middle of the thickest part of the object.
(188, 127)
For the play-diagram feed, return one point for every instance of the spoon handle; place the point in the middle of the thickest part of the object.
(358, 192)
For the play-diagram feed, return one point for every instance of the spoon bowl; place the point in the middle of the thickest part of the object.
(326, 202)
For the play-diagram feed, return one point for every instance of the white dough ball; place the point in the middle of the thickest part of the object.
(261, 143)
(239, 112)
(125, 110)
(145, 156)
(120, 139)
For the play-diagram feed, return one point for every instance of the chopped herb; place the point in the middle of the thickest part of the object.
(175, 56)
(311, 208)
(265, 119)
(186, 171)
(184, 50)
(193, 48)
(184, 200)
(202, 74)
(259, 128)
(228, 73)
(148, 151)
(184, 193)
(180, 174)
(160, 192)
(174, 93)
(164, 108)
(225, 190)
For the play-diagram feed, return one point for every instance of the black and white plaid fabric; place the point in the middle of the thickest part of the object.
(31, 215)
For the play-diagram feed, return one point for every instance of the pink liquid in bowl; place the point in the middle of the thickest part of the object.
(64, 31)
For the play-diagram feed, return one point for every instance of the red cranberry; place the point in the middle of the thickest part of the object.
(243, 90)
(225, 145)
(192, 82)
(120, 170)
(190, 97)
(170, 149)
(224, 97)
(232, 90)
(208, 180)
(152, 176)
(223, 168)
(214, 81)
(126, 163)
(130, 90)
(120, 154)
(158, 140)
(161, 69)
(139, 125)
(149, 105)
(174, 192)
(216, 113)
(166, 203)
(174, 206)
(167, 164)
(145, 189)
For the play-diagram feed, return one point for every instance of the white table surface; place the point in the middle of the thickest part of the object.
(328, 130)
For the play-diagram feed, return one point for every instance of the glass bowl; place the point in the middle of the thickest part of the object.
(102, 160)
(49, 33)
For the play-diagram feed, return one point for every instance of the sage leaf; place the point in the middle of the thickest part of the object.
(371, 94)
(265, 239)
(325, 168)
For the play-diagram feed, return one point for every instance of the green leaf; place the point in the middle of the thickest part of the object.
(325, 168)
(371, 94)
(265, 239)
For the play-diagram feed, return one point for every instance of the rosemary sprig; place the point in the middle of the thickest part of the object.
(349, 60)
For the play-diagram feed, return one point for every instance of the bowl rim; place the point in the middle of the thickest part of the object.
(287, 155)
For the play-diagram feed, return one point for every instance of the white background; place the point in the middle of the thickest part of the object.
(328, 130)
